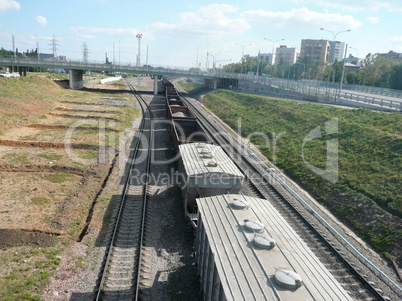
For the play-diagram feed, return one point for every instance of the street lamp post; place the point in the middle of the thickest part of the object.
(213, 60)
(273, 46)
(242, 54)
(37, 48)
(342, 76)
(333, 45)
(335, 34)
(304, 68)
(337, 95)
(334, 40)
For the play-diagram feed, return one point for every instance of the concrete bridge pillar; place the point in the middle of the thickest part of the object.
(155, 85)
(211, 83)
(75, 79)
(22, 71)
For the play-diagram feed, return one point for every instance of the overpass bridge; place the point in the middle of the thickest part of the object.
(319, 91)
(76, 69)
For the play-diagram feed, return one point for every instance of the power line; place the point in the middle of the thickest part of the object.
(139, 36)
(54, 45)
(85, 52)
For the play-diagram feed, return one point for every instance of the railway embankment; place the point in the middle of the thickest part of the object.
(365, 192)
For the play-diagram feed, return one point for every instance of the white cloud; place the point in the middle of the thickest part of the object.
(92, 32)
(211, 21)
(302, 18)
(373, 20)
(41, 20)
(6, 5)
(356, 4)
(397, 39)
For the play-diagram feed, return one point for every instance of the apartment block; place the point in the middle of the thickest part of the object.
(285, 55)
(315, 51)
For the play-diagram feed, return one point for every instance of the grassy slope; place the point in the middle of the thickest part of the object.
(368, 194)
(20, 100)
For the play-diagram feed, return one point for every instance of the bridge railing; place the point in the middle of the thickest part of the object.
(329, 92)
(323, 90)
(93, 65)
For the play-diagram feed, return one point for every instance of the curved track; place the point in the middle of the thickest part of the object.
(120, 274)
(355, 275)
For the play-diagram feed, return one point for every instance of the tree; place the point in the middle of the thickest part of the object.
(376, 71)
(395, 78)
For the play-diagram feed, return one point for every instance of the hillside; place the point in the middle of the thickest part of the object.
(364, 190)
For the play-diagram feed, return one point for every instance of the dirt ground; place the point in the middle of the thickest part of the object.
(47, 190)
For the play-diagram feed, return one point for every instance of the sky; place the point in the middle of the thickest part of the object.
(195, 33)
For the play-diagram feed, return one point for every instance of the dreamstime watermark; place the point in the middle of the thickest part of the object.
(111, 141)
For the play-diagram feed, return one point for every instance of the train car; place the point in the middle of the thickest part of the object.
(184, 125)
(171, 93)
(245, 250)
(174, 102)
(187, 131)
(207, 170)
(180, 112)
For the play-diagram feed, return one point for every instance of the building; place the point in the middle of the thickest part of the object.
(315, 51)
(354, 60)
(266, 57)
(392, 55)
(336, 51)
(285, 55)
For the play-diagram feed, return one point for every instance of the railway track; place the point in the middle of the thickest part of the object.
(120, 275)
(356, 276)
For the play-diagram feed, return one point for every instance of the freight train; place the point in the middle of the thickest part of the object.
(244, 249)
(205, 167)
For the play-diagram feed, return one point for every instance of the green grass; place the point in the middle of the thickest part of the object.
(370, 146)
(190, 87)
(57, 177)
(39, 200)
(29, 276)
(15, 158)
(51, 156)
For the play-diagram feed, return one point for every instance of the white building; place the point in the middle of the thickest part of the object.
(336, 51)
(285, 55)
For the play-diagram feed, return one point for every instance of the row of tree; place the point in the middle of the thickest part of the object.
(28, 53)
(375, 70)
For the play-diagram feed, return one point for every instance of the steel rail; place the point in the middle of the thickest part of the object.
(144, 109)
(145, 197)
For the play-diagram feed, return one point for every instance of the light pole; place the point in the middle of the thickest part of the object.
(333, 52)
(273, 46)
(342, 76)
(334, 40)
(357, 54)
(333, 45)
(37, 47)
(213, 60)
(222, 61)
(242, 54)
(304, 68)
(335, 34)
